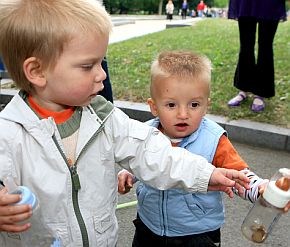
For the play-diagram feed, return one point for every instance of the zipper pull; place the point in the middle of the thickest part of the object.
(76, 181)
(75, 178)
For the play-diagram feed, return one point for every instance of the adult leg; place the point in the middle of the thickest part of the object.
(107, 92)
(244, 78)
(264, 85)
(1, 65)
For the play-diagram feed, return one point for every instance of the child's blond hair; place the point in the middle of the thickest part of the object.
(181, 64)
(41, 28)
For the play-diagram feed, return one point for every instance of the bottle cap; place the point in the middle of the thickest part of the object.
(285, 172)
(277, 192)
(27, 197)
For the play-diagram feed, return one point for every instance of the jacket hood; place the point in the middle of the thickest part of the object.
(19, 112)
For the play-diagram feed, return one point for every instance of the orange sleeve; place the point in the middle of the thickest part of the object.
(226, 156)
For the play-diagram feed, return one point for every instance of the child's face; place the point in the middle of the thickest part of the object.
(180, 104)
(77, 76)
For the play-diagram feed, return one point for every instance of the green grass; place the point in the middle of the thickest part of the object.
(129, 63)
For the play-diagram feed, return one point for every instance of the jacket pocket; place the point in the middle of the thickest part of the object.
(103, 226)
(9, 239)
(194, 206)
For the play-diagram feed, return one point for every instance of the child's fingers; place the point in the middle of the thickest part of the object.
(13, 214)
(127, 188)
(222, 188)
(15, 209)
(129, 181)
(121, 187)
(121, 182)
(243, 184)
(240, 188)
(229, 192)
(6, 199)
(124, 186)
(228, 178)
(125, 182)
(241, 179)
(286, 209)
(14, 227)
(238, 176)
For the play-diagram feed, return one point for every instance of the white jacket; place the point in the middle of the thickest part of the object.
(169, 8)
(31, 151)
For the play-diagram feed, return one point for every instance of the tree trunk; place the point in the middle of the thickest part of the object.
(160, 7)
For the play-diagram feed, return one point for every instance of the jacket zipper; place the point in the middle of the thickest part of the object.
(162, 213)
(76, 186)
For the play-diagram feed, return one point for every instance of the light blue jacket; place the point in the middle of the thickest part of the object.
(175, 212)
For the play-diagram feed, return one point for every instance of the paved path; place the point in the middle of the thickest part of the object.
(141, 27)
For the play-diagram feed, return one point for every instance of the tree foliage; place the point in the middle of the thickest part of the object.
(153, 6)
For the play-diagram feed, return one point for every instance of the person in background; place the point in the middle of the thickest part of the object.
(200, 8)
(107, 92)
(193, 13)
(184, 9)
(2, 68)
(169, 10)
(62, 140)
(3, 72)
(253, 75)
(180, 91)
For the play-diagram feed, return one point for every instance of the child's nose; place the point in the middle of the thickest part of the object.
(101, 74)
(182, 112)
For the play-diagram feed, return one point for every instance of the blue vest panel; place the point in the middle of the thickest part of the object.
(176, 212)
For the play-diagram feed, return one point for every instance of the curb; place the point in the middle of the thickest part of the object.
(177, 25)
(118, 22)
(243, 131)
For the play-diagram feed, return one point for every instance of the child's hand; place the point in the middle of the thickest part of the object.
(125, 181)
(286, 209)
(11, 215)
(224, 179)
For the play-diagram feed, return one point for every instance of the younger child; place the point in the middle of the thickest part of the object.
(63, 142)
(180, 91)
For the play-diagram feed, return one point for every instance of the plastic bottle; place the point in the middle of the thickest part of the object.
(267, 210)
(27, 197)
(37, 235)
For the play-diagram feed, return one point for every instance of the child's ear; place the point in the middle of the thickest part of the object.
(33, 71)
(153, 107)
